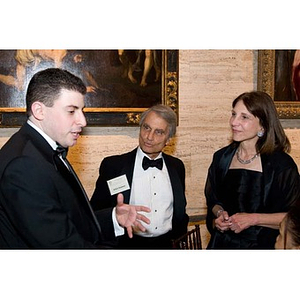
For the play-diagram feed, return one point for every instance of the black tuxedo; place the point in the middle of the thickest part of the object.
(41, 205)
(114, 166)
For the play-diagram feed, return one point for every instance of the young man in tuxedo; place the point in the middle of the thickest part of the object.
(42, 202)
(147, 176)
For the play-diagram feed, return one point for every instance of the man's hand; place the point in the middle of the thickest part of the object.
(128, 216)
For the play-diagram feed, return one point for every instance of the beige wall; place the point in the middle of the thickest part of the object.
(208, 82)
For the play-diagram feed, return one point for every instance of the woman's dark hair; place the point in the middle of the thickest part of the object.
(45, 86)
(261, 105)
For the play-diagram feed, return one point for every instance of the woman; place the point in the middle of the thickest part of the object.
(289, 231)
(252, 182)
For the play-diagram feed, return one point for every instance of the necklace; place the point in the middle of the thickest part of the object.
(247, 161)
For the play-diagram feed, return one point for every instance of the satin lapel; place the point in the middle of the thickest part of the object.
(72, 178)
(127, 169)
(176, 184)
(66, 174)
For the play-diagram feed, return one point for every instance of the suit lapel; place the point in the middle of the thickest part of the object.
(128, 169)
(175, 181)
(71, 177)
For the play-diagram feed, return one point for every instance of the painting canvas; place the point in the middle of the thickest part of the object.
(279, 76)
(121, 84)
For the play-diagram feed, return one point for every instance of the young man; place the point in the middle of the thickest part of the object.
(42, 203)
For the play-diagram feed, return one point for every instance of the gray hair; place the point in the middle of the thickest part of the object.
(166, 113)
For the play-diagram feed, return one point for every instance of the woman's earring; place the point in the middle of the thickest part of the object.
(260, 134)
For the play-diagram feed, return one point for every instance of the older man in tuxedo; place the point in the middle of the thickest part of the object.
(147, 176)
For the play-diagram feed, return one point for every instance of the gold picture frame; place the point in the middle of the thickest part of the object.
(266, 82)
(112, 112)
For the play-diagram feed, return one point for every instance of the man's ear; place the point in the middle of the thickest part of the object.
(167, 142)
(37, 109)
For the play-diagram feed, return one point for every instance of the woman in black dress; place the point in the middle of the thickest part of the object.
(252, 182)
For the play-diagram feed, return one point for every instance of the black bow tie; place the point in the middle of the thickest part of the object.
(62, 151)
(157, 163)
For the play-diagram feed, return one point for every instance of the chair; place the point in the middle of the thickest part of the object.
(189, 241)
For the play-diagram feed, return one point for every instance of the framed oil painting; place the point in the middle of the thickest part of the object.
(279, 76)
(121, 84)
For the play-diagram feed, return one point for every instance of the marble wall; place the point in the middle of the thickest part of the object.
(208, 82)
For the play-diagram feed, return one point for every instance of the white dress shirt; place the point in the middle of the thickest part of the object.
(152, 188)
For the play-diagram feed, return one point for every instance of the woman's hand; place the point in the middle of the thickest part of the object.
(223, 221)
(242, 221)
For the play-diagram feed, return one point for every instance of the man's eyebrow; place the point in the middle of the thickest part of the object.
(73, 106)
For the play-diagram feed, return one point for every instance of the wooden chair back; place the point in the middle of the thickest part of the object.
(189, 241)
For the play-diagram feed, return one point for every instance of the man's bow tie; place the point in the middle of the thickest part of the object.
(158, 163)
(61, 150)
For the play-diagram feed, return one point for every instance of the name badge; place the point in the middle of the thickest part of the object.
(118, 184)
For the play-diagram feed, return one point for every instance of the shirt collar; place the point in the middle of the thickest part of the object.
(141, 154)
(43, 134)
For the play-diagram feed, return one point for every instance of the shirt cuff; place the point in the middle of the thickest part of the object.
(117, 228)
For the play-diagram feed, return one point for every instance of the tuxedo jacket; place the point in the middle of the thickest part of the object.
(41, 204)
(117, 165)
